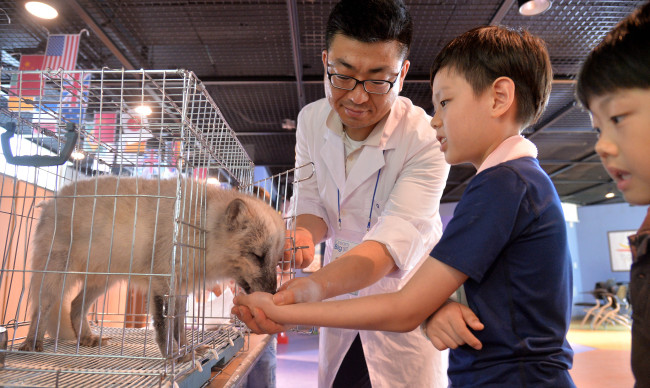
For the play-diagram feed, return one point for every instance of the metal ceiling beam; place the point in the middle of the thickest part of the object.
(292, 8)
(553, 119)
(101, 34)
(571, 165)
(587, 189)
(555, 161)
(501, 12)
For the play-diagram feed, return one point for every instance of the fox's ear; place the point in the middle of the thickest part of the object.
(236, 216)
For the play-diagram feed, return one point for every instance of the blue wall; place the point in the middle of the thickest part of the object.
(593, 247)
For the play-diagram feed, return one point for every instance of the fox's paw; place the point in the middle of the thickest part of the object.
(31, 346)
(93, 341)
(201, 350)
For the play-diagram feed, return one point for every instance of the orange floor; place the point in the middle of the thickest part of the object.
(602, 358)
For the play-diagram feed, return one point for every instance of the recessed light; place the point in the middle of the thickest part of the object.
(41, 9)
(610, 195)
(533, 7)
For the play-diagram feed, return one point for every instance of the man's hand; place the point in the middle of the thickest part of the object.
(298, 290)
(447, 327)
(304, 254)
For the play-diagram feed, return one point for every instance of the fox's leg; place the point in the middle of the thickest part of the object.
(79, 313)
(44, 294)
(179, 321)
(160, 325)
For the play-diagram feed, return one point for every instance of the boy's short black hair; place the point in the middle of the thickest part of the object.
(483, 54)
(371, 21)
(620, 61)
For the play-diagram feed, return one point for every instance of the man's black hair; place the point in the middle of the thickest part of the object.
(371, 21)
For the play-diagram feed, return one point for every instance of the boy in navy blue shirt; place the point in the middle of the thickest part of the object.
(614, 85)
(507, 240)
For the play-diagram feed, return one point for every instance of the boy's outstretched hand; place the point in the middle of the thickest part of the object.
(298, 290)
(448, 327)
(251, 310)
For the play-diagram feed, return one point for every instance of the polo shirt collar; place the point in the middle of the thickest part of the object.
(514, 147)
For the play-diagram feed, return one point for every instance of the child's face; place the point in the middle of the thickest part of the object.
(623, 119)
(459, 119)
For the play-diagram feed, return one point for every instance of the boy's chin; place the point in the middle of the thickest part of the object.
(639, 199)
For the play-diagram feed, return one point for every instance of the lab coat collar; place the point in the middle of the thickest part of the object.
(333, 155)
(371, 158)
(368, 164)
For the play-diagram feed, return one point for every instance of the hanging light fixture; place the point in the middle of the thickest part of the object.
(41, 9)
(143, 110)
(533, 7)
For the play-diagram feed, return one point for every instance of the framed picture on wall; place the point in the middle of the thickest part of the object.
(620, 255)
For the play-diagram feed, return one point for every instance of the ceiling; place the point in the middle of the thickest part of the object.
(260, 61)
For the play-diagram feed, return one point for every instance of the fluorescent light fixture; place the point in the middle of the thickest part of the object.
(610, 195)
(533, 7)
(143, 110)
(41, 9)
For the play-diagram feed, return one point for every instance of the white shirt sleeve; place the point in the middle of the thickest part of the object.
(410, 224)
(309, 199)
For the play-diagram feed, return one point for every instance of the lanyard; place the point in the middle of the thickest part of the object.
(372, 204)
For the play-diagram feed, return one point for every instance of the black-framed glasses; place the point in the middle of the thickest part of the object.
(372, 86)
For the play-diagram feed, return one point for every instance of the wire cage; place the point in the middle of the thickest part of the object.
(129, 161)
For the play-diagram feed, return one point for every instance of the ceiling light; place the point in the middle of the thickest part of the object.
(533, 7)
(77, 155)
(288, 124)
(610, 195)
(143, 110)
(41, 9)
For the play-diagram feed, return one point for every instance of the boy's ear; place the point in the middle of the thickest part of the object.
(503, 96)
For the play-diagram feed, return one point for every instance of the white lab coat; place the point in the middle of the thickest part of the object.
(405, 218)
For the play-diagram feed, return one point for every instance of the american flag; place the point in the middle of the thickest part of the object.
(62, 52)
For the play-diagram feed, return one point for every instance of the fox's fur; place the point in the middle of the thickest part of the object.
(125, 227)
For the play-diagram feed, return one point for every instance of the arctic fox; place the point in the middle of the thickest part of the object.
(100, 231)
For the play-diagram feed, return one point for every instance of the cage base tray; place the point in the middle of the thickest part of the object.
(124, 362)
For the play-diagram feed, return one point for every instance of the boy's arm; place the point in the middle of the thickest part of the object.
(401, 311)
(362, 266)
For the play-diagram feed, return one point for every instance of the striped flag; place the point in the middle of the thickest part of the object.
(61, 51)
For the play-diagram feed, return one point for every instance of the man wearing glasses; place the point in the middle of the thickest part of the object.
(374, 197)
